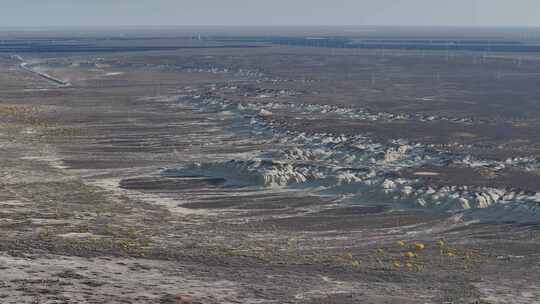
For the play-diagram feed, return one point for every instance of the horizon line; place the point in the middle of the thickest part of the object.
(96, 26)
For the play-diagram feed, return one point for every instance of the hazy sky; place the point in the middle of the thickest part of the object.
(270, 12)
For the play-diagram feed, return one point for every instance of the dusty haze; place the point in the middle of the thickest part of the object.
(278, 12)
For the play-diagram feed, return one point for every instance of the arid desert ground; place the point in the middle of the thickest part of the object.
(239, 169)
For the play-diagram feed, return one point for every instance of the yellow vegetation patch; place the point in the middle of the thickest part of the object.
(419, 246)
(465, 135)
(409, 255)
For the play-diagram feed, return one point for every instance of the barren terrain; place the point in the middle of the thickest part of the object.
(268, 174)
